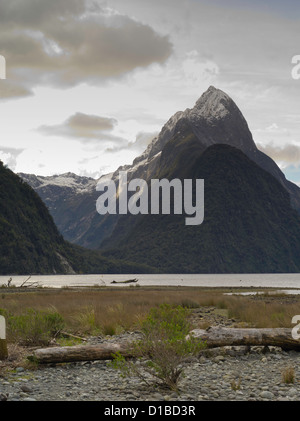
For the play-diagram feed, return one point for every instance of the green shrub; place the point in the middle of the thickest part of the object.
(165, 347)
(34, 327)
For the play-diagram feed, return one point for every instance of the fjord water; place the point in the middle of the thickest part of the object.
(277, 280)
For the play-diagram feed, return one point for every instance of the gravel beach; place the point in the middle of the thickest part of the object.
(222, 374)
(255, 375)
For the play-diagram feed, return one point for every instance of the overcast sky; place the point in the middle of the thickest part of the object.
(90, 83)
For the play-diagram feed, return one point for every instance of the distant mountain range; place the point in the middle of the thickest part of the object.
(252, 213)
(71, 201)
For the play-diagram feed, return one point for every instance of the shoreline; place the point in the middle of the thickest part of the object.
(230, 290)
(275, 280)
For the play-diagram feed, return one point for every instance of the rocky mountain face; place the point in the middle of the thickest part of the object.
(214, 120)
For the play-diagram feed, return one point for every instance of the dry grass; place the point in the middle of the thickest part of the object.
(265, 312)
(288, 375)
(110, 311)
(96, 311)
(236, 385)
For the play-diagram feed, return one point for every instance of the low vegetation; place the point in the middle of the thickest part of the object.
(33, 327)
(164, 348)
(106, 311)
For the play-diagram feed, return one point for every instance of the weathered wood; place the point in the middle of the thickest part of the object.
(70, 335)
(78, 353)
(214, 337)
(221, 336)
(129, 281)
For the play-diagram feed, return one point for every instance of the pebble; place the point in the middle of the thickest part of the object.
(293, 392)
(267, 395)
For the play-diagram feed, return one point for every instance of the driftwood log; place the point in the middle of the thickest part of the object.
(78, 353)
(214, 337)
(221, 336)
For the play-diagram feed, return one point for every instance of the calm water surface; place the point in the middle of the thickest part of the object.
(281, 281)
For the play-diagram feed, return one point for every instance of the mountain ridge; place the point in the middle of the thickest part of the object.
(214, 119)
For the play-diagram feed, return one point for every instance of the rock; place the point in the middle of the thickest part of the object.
(277, 356)
(293, 392)
(25, 388)
(3, 396)
(219, 359)
(267, 395)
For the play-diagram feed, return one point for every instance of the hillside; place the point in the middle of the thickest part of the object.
(31, 243)
(249, 224)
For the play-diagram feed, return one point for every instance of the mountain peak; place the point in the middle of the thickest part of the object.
(215, 118)
(214, 104)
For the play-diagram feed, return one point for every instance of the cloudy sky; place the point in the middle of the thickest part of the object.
(89, 83)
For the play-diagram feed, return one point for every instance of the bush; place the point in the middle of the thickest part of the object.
(164, 347)
(34, 327)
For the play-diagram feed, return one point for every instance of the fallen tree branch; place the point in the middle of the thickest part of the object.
(214, 337)
(22, 285)
(66, 334)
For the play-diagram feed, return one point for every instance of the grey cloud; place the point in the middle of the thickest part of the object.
(142, 141)
(289, 154)
(140, 144)
(10, 90)
(32, 12)
(64, 43)
(83, 126)
(81, 121)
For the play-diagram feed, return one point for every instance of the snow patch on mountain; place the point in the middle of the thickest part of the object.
(68, 180)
